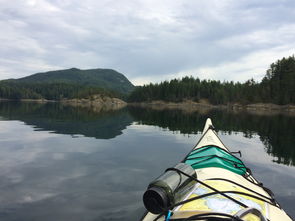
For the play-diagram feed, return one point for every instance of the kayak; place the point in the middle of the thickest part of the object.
(211, 183)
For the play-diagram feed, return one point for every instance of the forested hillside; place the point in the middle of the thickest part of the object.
(278, 87)
(70, 83)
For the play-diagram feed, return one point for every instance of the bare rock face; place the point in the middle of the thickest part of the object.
(97, 103)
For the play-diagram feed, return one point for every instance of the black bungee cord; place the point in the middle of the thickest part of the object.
(215, 191)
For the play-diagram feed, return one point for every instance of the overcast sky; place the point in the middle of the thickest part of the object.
(146, 40)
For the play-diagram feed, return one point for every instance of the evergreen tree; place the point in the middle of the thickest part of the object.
(278, 87)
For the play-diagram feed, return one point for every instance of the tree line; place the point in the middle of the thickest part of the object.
(277, 86)
(50, 91)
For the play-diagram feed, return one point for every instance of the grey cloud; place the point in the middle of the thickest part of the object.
(139, 38)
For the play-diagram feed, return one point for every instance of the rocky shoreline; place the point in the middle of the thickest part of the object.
(99, 102)
(96, 103)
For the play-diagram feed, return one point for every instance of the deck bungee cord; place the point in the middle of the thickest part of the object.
(235, 163)
(223, 216)
(246, 188)
(247, 175)
(215, 191)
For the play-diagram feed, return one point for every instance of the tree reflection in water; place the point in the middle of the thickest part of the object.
(277, 132)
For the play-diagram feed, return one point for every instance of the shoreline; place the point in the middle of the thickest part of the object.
(95, 102)
(190, 106)
(98, 102)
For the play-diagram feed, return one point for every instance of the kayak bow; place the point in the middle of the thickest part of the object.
(210, 184)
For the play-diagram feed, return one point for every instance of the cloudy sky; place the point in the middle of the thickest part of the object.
(147, 40)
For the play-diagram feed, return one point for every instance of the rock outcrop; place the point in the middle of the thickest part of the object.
(97, 103)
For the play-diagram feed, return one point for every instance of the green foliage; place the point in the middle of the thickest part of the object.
(50, 91)
(71, 83)
(101, 78)
(278, 86)
(279, 83)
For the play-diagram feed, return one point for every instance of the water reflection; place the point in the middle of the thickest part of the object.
(49, 176)
(46, 174)
(277, 132)
(67, 119)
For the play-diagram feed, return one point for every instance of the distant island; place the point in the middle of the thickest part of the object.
(97, 87)
(92, 87)
(69, 83)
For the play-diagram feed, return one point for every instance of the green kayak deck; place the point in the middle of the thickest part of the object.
(213, 156)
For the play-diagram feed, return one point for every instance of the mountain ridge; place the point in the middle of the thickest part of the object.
(102, 78)
(67, 84)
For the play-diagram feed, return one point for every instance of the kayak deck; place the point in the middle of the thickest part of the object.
(216, 167)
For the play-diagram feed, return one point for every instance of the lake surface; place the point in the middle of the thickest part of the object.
(64, 163)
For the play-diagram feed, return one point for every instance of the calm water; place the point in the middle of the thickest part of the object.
(64, 163)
